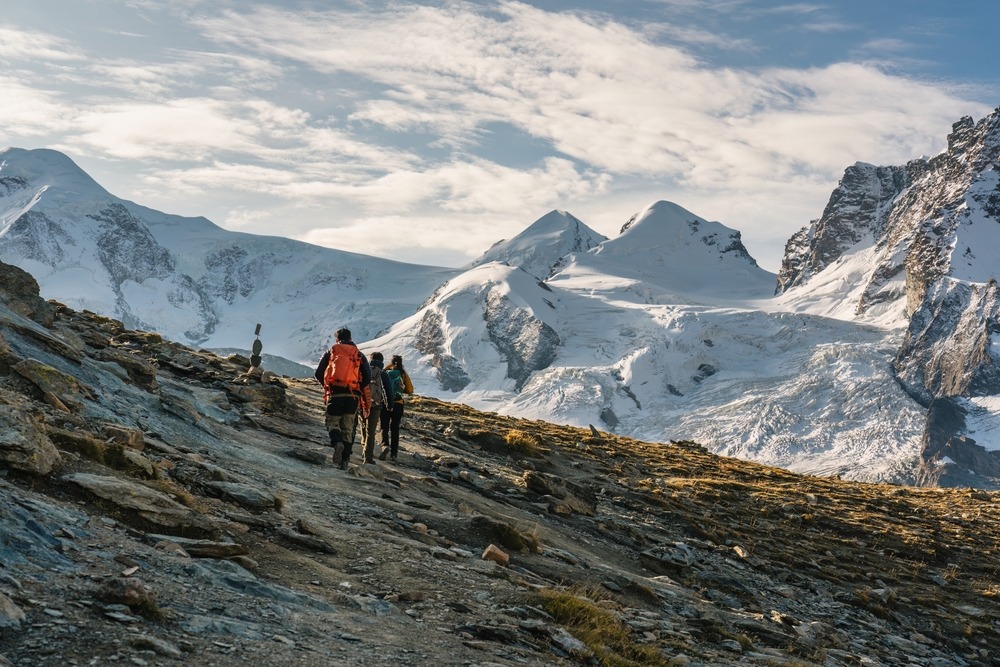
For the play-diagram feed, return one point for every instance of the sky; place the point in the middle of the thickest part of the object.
(425, 132)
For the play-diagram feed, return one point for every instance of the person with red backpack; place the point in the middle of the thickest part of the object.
(345, 375)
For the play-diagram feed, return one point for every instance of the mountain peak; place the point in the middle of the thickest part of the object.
(892, 231)
(668, 245)
(543, 244)
(44, 167)
(673, 230)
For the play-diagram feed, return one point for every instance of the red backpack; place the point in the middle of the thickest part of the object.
(343, 370)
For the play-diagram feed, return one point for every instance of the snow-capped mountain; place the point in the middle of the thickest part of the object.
(546, 241)
(185, 277)
(658, 333)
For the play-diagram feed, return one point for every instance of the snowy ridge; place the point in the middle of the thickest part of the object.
(669, 247)
(186, 277)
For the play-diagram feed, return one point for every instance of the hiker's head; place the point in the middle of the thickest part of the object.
(343, 335)
(397, 361)
(377, 359)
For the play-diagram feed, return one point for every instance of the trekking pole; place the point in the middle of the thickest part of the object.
(357, 413)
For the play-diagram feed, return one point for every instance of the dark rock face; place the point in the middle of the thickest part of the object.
(947, 350)
(910, 213)
(229, 274)
(729, 244)
(526, 342)
(430, 340)
(37, 237)
(859, 205)
(126, 248)
(950, 460)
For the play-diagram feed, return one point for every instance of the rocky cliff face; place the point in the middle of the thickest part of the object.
(858, 209)
(924, 219)
(159, 506)
(948, 349)
(528, 343)
(487, 307)
(934, 226)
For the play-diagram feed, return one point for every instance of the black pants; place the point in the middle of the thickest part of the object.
(390, 427)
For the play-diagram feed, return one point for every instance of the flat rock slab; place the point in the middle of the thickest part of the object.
(153, 506)
(245, 495)
(203, 548)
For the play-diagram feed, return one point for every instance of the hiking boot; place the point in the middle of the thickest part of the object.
(384, 453)
(338, 452)
(392, 459)
(343, 464)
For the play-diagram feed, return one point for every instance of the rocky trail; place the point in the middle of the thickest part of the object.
(159, 506)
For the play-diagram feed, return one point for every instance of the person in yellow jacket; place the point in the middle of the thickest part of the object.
(400, 383)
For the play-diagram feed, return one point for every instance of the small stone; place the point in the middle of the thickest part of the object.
(497, 555)
(159, 646)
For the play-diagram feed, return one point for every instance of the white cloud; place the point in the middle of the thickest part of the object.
(441, 240)
(17, 44)
(180, 129)
(601, 93)
(30, 111)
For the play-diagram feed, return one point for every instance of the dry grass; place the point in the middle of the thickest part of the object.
(522, 442)
(611, 641)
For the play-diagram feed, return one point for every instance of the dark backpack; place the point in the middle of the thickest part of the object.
(378, 388)
(396, 379)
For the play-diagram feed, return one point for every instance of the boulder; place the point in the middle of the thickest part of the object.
(23, 442)
(20, 291)
(572, 497)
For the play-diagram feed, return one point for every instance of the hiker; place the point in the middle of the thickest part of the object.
(345, 375)
(400, 384)
(382, 401)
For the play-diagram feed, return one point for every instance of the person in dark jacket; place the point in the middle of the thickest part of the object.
(391, 420)
(344, 396)
(382, 401)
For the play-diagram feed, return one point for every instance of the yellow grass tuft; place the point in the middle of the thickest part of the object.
(523, 442)
(600, 629)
